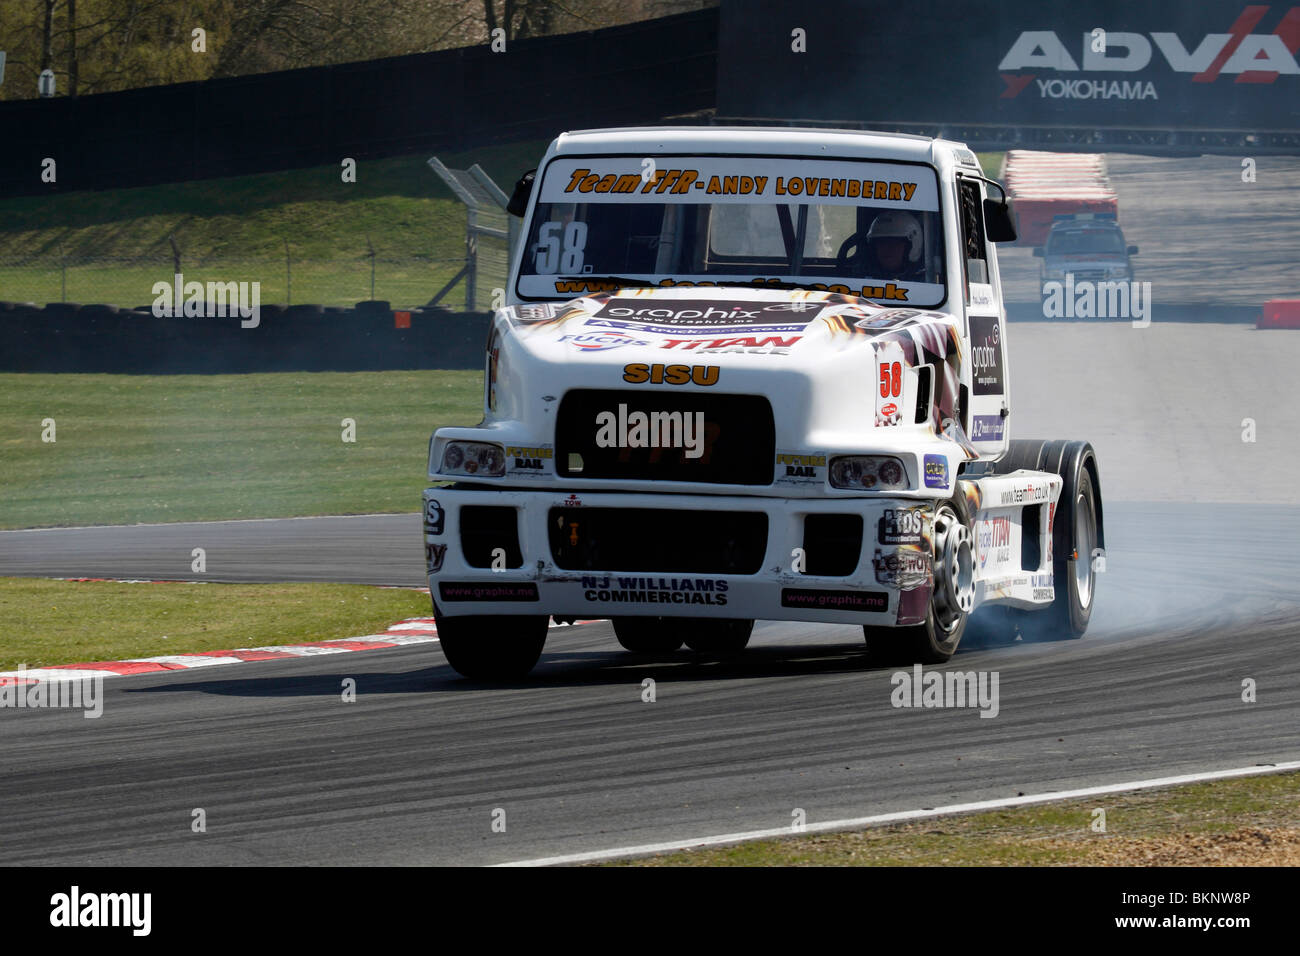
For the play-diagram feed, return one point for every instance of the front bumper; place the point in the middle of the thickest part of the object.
(889, 583)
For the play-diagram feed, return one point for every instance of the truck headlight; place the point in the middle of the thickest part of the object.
(872, 472)
(481, 459)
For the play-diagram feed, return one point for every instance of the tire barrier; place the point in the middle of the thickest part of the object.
(1280, 314)
(1045, 185)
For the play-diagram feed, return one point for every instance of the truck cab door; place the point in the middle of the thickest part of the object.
(989, 402)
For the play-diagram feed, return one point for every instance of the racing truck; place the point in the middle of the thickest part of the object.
(748, 374)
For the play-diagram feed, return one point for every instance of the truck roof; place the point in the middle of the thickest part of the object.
(765, 139)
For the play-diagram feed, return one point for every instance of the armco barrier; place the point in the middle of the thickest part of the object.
(1280, 314)
(60, 338)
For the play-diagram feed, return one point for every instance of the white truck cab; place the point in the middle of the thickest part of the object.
(752, 374)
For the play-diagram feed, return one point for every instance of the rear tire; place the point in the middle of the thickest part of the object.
(647, 635)
(1075, 461)
(492, 647)
(717, 637)
(1074, 537)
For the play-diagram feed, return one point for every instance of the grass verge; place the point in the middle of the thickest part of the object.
(991, 163)
(136, 448)
(1246, 821)
(69, 622)
(240, 225)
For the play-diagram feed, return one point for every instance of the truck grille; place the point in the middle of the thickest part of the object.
(738, 445)
(657, 539)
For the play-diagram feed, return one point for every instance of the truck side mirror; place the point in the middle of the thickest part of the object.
(999, 221)
(1132, 250)
(518, 204)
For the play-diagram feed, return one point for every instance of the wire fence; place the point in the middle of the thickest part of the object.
(405, 282)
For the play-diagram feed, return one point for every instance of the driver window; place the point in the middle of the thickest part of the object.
(972, 228)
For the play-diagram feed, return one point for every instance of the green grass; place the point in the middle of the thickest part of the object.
(240, 224)
(203, 447)
(1250, 820)
(991, 164)
(45, 622)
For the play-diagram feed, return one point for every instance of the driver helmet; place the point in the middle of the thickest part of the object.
(899, 225)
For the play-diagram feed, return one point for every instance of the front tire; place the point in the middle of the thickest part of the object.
(951, 600)
(492, 647)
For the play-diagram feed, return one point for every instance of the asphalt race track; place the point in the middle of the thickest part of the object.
(411, 772)
(363, 549)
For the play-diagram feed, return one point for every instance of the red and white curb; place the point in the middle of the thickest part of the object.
(415, 630)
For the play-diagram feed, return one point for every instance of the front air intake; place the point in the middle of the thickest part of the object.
(675, 541)
(734, 437)
(832, 544)
(486, 528)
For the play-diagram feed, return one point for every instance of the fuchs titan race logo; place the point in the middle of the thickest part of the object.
(1248, 57)
(994, 539)
(600, 341)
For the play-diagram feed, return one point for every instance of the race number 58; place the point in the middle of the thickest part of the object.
(560, 248)
(891, 379)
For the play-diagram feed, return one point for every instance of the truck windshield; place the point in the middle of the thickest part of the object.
(868, 229)
(1085, 240)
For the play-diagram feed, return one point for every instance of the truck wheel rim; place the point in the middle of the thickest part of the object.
(954, 584)
(1085, 542)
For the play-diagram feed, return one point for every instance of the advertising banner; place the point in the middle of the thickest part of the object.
(1166, 64)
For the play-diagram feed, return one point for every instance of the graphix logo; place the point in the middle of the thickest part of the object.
(1247, 56)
